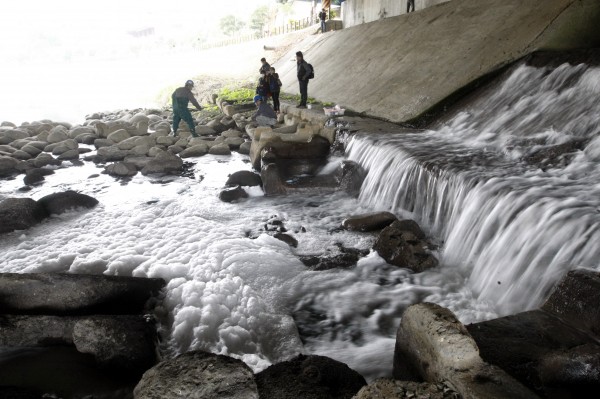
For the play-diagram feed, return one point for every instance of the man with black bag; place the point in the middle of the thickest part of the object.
(305, 72)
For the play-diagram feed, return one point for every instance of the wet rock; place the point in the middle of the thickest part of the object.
(58, 203)
(21, 155)
(432, 345)
(220, 149)
(32, 150)
(243, 178)
(350, 177)
(110, 154)
(217, 126)
(8, 136)
(121, 169)
(8, 166)
(245, 148)
(20, 214)
(194, 151)
(57, 134)
(309, 377)
(401, 247)
(35, 330)
(342, 258)
(37, 175)
(164, 163)
(198, 375)
(554, 350)
(233, 195)
(44, 160)
(69, 155)
(75, 294)
(271, 180)
(205, 130)
(556, 155)
(99, 143)
(385, 388)
(288, 239)
(118, 135)
(369, 222)
(123, 343)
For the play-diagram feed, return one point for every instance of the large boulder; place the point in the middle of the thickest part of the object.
(57, 134)
(194, 151)
(243, 178)
(121, 169)
(20, 214)
(309, 377)
(110, 154)
(58, 203)
(369, 221)
(75, 294)
(33, 176)
(163, 163)
(233, 195)
(8, 166)
(404, 245)
(553, 350)
(198, 375)
(126, 343)
(432, 345)
(220, 149)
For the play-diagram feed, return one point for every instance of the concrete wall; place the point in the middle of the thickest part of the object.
(401, 67)
(355, 12)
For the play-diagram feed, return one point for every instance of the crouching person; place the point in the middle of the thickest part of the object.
(264, 115)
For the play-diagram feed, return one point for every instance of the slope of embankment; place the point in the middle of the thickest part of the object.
(401, 68)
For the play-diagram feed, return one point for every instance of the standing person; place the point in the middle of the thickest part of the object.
(322, 17)
(265, 67)
(303, 70)
(275, 86)
(410, 4)
(180, 98)
(262, 88)
(264, 115)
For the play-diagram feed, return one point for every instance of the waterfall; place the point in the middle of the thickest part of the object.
(509, 186)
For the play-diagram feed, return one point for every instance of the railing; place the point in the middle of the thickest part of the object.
(280, 30)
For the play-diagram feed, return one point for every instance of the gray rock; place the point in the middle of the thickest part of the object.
(386, 388)
(69, 155)
(198, 375)
(36, 175)
(219, 149)
(350, 176)
(32, 150)
(309, 377)
(123, 343)
(121, 169)
(57, 134)
(58, 203)
(432, 345)
(119, 135)
(245, 148)
(20, 214)
(205, 130)
(369, 221)
(75, 294)
(288, 239)
(194, 151)
(163, 163)
(43, 160)
(243, 178)
(21, 155)
(400, 247)
(100, 143)
(233, 195)
(35, 330)
(271, 180)
(111, 154)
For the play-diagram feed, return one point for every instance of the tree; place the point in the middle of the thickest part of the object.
(259, 18)
(230, 25)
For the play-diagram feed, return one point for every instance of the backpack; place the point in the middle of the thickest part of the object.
(312, 71)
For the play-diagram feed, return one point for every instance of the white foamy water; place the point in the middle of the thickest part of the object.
(232, 288)
(512, 229)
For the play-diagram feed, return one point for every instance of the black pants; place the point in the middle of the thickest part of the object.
(303, 91)
(410, 4)
(275, 101)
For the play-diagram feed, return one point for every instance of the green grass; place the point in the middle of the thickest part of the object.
(237, 94)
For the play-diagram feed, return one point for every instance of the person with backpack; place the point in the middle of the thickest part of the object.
(323, 17)
(180, 99)
(275, 87)
(304, 72)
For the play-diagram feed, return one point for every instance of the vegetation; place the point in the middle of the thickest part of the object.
(230, 25)
(259, 18)
(237, 94)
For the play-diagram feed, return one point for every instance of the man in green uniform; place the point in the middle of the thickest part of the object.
(181, 97)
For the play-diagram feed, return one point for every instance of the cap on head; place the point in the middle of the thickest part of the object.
(299, 54)
(189, 83)
(257, 98)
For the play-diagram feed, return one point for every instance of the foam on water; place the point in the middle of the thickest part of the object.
(231, 288)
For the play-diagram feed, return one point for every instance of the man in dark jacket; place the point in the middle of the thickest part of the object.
(323, 17)
(181, 97)
(264, 115)
(303, 71)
